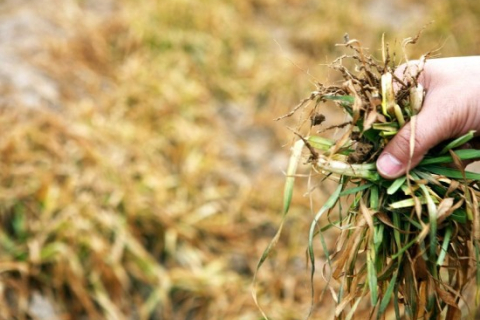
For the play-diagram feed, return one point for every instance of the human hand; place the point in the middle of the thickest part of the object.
(451, 108)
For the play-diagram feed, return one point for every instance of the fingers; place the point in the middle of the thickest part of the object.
(430, 128)
(451, 108)
(395, 159)
(408, 71)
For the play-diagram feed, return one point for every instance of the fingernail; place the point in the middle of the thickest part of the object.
(389, 165)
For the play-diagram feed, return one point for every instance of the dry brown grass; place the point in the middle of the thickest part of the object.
(154, 187)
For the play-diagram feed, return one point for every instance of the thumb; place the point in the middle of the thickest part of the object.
(427, 133)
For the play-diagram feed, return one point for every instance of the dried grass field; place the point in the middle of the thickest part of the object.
(141, 171)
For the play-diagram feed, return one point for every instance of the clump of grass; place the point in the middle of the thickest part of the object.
(411, 244)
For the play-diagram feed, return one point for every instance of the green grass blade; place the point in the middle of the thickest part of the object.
(388, 127)
(396, 232)
(450, 172)
(459, 215)
(396, 185)
(387, 134)
(385, 126)
(345, 99)
(424, 175)
(406, 203)
(378, 236)
(445, 244)
(371, 135)
(458, 142)
(287, 198)
(374, 198)
(328, 205)
(404, 248)
(356, 189)
(388, 295)
(320, 142)
(466, 154)
(291, 171)
(365, 170)
(372, 276)
(413, 223)
(432, 219)
(325, 144)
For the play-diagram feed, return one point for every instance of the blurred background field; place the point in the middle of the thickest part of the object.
(141, 171)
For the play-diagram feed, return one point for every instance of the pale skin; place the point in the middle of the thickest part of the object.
(451, 108)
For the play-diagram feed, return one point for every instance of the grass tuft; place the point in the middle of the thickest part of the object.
(408, 244)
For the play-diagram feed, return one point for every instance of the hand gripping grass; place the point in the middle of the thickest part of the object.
(406, 247)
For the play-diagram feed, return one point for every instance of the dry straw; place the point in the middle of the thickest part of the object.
(411, 244)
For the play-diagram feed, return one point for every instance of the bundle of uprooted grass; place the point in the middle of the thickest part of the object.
(411, 244)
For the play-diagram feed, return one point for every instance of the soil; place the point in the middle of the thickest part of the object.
(317, 119)
(361, 153)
